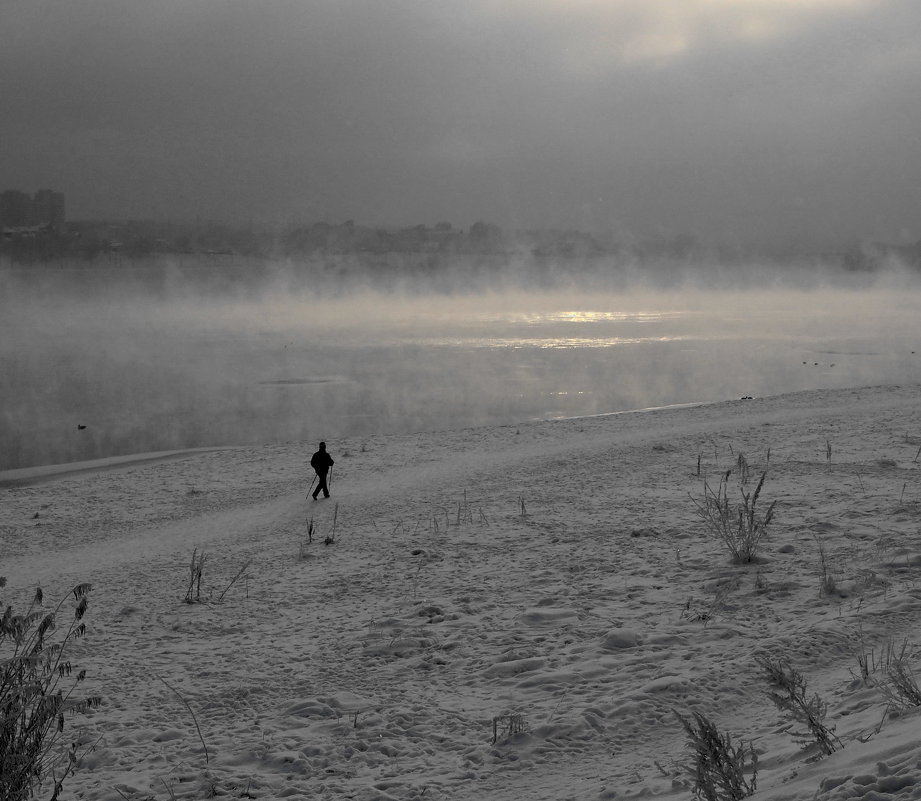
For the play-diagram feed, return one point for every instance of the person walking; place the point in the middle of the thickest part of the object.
(321, 462)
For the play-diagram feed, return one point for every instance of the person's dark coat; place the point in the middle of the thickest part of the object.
(321, 461)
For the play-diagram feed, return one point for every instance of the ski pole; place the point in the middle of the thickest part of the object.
(312, 483)
(329, 481)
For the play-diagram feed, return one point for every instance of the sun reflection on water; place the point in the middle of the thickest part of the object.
(542, 343)
(572, 328)
(579, 316)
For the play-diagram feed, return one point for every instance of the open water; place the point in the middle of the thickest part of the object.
(94, 376)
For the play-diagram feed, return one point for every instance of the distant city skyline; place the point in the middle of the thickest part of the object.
(739, 121)
(45, 207)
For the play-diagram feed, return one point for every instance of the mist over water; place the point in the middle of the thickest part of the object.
(109, 362)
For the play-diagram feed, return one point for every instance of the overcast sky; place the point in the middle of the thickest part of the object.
(749, 121)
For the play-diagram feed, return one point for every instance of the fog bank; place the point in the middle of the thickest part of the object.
(105, 362)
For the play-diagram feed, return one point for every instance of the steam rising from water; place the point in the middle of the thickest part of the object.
(150, 370)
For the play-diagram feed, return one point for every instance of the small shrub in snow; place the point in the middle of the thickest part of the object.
(740, 527)
(34, 699)
(722, 771)
(901, 686)
(507, 725)
(790, 697)
(708, 610)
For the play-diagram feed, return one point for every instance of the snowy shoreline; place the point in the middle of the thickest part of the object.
(27, 476)
(555, 571)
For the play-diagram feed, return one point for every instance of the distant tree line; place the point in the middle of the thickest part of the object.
(92, 242)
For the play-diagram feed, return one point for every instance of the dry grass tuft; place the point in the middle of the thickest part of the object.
(790, 697)
(721, 770)
(870, 661)
(740, 528)
(901, 686)
(507, 725)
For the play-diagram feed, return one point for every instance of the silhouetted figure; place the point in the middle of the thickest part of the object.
(321, 461)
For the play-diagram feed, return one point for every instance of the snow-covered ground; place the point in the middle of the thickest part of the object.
(551, 577)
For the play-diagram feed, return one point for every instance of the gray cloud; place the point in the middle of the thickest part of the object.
(757, 121)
